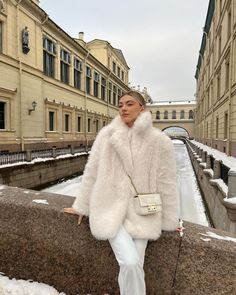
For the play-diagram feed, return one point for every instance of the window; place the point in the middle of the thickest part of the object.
(77, 73)
(190, 116)
(219, 44)
(217, 127)
(51, 121)
(218, 86)
(79, 124)
(182, 114)
(65, 66)
(1, 36)
(226, 126)
(114, 95)
(97, 126)
(89, 125)
(88, 79)
(119, 93)
(227, 75)
(122, 75)
(2, 115)
(49, 53)
(173, 114)
(158, 115)
(165, 114)
(67, 122)
(109, 92)
(103, 89)
(118, 72)
(114, 67)
(104, 123)
(229, 24)
(95, 84)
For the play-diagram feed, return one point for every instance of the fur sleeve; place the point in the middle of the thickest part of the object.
(168, 186)
(81, 203)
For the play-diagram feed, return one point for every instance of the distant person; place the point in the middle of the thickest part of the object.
(129, 154)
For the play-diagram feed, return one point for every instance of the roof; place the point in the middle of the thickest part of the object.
(183, 102)
(118, 52)
(206, 29)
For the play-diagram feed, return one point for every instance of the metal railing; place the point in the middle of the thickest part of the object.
(27, 156)
(11, 158)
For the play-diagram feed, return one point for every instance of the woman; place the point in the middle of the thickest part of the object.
(129, 149)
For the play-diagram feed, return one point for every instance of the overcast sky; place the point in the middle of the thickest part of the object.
(160, 39)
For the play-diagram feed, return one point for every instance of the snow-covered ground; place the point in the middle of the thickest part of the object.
(191, 205)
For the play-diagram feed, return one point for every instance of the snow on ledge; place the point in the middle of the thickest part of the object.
(209, 171)
(221, 185)
(37, 160)
(220, 156)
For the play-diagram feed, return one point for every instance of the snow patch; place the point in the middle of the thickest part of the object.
(21, 287)
(230, 200)
(40, 201)
(215, 236)
(2, 187)
(205, 239)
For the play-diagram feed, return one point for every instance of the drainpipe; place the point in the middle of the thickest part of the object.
(85, 100)
(20, 74)
(108, 109)
(228, 149)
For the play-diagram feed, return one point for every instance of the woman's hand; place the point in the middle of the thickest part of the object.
(72, 211)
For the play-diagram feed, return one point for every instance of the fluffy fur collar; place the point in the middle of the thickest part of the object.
(120, 141)
(141, 124)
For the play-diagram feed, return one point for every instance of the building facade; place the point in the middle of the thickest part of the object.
(55, 90)
(174, 114)
(216, 79)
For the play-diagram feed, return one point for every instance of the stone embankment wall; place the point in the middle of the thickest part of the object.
(35, 174)
(40, 242)
(219, 197)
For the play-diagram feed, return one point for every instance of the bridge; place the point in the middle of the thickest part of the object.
(176, 118)
(49, 246)
(40, 242)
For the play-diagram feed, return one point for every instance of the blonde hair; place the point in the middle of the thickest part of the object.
(136, 95)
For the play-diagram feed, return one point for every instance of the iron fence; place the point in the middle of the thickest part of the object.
(11, 158)
(27, 156)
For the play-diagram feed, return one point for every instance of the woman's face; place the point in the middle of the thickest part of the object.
(129, 109)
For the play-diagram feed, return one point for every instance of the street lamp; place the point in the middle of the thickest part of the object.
(34, 104)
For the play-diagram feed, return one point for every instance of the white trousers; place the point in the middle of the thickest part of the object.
(129, 254)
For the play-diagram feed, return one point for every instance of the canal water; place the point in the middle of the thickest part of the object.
(191, 205)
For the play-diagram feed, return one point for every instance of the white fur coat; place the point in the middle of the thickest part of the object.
(106, 193)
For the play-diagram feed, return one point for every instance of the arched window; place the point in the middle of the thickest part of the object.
(190, 114)
(158, 115)
(173, 114)
(182, 114)
(165, 114)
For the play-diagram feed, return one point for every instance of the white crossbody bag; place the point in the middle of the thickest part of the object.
(146, 204)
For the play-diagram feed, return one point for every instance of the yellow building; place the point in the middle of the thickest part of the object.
(216, 78)
(55, 90)
(167, 114)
